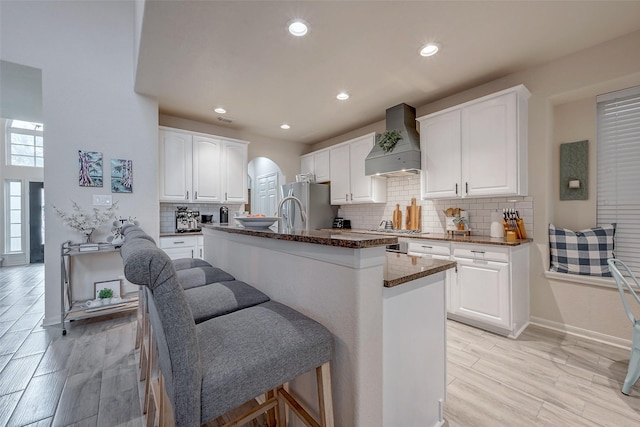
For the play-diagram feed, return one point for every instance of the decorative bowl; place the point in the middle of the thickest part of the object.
(257, 221)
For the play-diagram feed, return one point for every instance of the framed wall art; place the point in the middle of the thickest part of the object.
(121, 176)
(89, 168)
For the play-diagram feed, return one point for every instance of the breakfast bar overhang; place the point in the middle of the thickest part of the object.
(386, 312)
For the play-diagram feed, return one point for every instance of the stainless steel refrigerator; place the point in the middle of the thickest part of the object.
(316, 202)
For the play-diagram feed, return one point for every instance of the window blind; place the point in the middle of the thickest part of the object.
(618, 164)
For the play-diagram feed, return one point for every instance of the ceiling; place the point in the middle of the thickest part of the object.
(198, 55)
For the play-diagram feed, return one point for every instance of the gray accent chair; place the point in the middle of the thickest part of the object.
(217, 365)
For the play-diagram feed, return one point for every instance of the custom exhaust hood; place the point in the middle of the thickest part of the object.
(404, 159)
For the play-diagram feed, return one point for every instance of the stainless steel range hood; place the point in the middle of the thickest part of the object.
(405, 157)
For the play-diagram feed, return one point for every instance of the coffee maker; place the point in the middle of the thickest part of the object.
(186, 220)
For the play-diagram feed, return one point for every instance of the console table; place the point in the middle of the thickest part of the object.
(72, 309)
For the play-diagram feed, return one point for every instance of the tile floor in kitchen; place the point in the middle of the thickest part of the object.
(89, 378)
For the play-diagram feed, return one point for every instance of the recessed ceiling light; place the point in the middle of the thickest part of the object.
(298, 27)
(220, 110)
(430, 49)
(342, 96)
(285, 126)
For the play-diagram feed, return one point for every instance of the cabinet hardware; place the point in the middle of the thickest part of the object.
(225, 196)
(191, 253)
(352, 197)
(187, 198)
(456, 188)
(466, 188)
(178, 243)
(195, 195)
(346, 197)
(478, 252)
(200, 253)
(427, 247)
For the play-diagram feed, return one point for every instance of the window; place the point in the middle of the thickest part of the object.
(26, 144)
(14, 217)
(619, 171)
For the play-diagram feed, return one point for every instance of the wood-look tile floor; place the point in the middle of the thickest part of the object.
(544, 378)
(89, 377)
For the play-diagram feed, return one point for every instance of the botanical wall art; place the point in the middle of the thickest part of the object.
(90, 168)
(121, 176)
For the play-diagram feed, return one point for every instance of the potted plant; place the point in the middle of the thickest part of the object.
(105, 295)
(460, 222)
(388, 140)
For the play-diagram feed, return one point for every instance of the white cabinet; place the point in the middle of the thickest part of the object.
(349, 184)
(202, 168)
(199, 252)
(234, 172)
(316, 163)
(436, 249)
(477, 149)
(491, 287)
(179, 246)
(175, 166)
(207, 160)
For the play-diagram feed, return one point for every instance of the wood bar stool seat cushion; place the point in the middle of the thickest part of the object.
(199, 276)
(252, 351)
(217, 299)
(184, 263)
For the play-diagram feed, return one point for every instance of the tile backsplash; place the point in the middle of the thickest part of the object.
(400, 190)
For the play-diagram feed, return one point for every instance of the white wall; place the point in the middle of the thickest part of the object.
(85, 50)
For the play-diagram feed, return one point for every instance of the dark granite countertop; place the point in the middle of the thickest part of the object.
(457, 238)
(402, 268)
(189, 233)
(341, 239)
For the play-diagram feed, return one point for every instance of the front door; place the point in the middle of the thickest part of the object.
(36, 222)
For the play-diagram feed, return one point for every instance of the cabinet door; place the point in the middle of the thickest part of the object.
(235, 172)
(307, 164)
(199, 247)
(440, 152)
(490, 147)
(175, 166)
(322, 166)
(340, 185)
(481, 292)
(361, 184)
(207, 154)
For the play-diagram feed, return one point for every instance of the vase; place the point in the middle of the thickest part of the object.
(88, 235)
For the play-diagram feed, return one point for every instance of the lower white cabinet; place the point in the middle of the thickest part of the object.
(199, 253)
(180, 246)
(436, 249)
(491, 287)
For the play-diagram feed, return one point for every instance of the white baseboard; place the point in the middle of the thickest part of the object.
(582, 333)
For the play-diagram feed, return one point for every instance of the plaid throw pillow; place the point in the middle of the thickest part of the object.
(581, 252)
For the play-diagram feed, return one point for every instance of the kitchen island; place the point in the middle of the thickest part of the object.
(386, 312)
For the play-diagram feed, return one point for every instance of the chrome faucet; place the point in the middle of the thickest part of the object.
(303, 214)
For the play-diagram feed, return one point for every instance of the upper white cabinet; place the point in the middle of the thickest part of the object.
(316, 163)
(476, 149)
(202, 168)
(349, 184)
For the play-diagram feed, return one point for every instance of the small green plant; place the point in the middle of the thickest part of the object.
(105, 293)
(388, 140)
(460, 222)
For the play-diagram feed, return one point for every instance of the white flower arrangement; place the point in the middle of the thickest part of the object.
(86, 223)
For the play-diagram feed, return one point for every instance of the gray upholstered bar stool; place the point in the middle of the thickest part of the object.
(219, 364)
